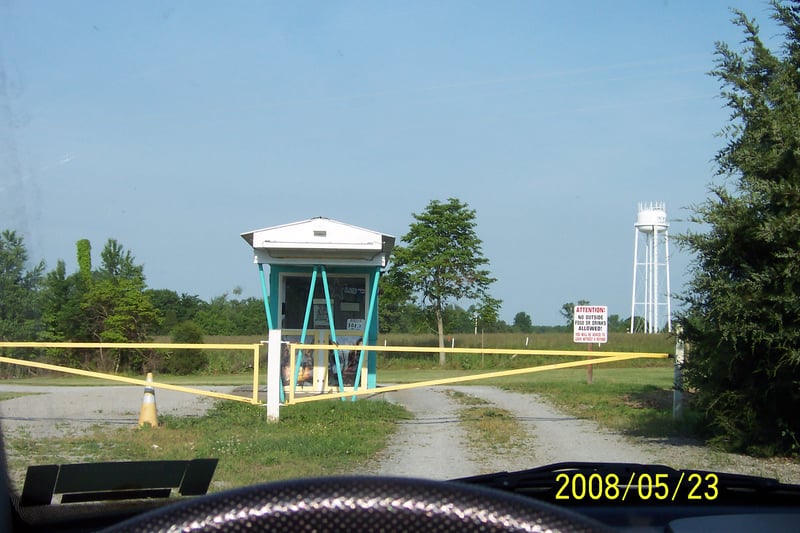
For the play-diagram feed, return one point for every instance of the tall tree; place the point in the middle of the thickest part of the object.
(615, 323)
(443, 260)
(118, 263)
(61, 306)
(568, 311)
(174, 308)
(19, 286)
(117, 307)
(742, 316)
(487, 311)
(63, 318)
(523, 322)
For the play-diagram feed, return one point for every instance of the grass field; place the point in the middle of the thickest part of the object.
(225, 362)
(536, 341)
(316, 439)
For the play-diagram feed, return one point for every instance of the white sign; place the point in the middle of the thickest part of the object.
(355, 324)
(320, 315)
(590, 324)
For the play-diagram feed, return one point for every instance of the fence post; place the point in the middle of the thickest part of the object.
(274, 375)
(677, 386)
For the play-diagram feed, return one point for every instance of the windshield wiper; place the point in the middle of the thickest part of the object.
(601, 482)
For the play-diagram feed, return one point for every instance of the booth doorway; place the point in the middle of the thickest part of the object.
(348, 293)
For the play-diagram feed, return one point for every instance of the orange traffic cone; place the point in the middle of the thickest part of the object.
(148, 414)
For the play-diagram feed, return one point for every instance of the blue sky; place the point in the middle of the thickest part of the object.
(175, 126)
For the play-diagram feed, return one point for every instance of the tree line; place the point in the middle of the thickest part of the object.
(110, 303)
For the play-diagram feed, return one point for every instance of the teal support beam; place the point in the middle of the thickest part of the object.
(307, 317)
(336, 357)
(373, 299)
(270, 326)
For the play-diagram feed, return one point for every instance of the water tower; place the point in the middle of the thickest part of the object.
(651, 294)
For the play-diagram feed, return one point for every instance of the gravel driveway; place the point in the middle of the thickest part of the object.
(431, 445)
(47, 412)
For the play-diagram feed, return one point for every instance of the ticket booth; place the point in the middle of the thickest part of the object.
(323, 289)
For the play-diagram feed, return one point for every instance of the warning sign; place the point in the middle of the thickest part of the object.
(590, 324)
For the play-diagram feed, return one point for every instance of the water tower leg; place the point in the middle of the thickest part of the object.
(635, 266)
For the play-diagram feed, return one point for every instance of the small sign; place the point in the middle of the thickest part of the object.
(590, 324)
(320, 315)
(355, 324)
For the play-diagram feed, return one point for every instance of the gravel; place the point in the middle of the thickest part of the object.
(431, 445)
(50, 412)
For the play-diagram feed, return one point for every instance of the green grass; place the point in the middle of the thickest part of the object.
(319, 438)
(466, 399)
(636, 400)
(625, 342)
(490, 430)
(12, 395)
(661, 369)
(621, 342)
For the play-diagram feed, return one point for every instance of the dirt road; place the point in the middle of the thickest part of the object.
(431, 445)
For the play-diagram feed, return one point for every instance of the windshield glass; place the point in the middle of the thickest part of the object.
(438, 198)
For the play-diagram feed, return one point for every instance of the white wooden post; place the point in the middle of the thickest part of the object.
(677, 387)
(274, 382)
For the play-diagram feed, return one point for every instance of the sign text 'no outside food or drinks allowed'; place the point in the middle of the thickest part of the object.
(590, 323)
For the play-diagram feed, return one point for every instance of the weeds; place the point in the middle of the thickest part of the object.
(320, 438)
(489, 428)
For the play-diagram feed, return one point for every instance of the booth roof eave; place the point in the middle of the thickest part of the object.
(300, 246)
(318, 233)
(321, 256)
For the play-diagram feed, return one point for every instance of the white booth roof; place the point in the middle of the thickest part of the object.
(320, 241)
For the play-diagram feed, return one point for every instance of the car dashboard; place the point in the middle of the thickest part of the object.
(576, 496)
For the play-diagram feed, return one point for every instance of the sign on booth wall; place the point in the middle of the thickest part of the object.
(590, 324)
(320, 313)
(355, 324)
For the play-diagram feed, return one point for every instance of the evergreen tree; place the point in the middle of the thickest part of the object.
(63, 318)
(742, 317)
(19, 286)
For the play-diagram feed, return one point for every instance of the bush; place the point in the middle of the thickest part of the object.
(183, 362)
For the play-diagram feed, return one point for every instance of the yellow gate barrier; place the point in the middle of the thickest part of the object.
(593, 358)
(136, 346)
(590, 358)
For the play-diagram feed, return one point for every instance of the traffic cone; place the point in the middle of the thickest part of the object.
(148, 414)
